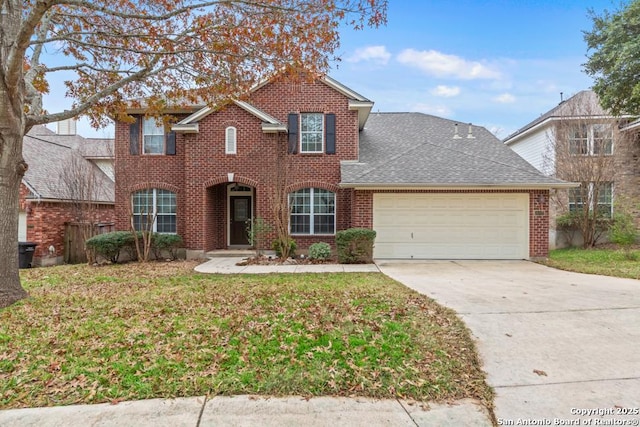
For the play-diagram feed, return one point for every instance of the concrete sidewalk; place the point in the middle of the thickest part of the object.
(251, 411)
(227, 265)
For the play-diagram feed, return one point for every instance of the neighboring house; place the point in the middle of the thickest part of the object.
(430, 188)
(579, 141)
(62, 168)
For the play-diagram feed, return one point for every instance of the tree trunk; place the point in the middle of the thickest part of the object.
(12, 168)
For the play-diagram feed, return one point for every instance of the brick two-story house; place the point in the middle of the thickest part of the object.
(577, 140)
(430, 187)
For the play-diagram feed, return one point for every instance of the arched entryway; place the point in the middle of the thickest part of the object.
(230, 208)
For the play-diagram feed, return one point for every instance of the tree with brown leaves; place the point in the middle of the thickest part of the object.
(162, 51)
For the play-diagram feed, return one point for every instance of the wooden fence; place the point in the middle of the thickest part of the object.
(74, 252)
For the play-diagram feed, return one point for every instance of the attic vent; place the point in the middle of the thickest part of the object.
(470, 134)
(455, 132)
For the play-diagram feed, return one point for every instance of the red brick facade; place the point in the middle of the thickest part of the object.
(46, 223)
(200, 171)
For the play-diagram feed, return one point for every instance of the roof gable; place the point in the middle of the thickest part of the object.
(357, 102)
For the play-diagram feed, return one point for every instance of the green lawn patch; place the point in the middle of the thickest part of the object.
(136, 331)
(608, 262)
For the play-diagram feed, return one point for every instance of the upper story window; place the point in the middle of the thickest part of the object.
(154, 209)
(230, 140)
(602, 139)
(313, 211)
(311, 132)
(148, 136)
(152, 136)
(587, 140)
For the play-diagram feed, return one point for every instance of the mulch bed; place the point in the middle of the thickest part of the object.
(271, 260)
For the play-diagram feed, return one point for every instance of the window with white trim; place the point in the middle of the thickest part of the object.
(311, 132)
(579, 197)
(152, 136)
(230, 140)
(313, 211)
(591, 140)
(155, 205)
(605, 199)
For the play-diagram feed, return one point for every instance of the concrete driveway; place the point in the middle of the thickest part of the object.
(553, 343)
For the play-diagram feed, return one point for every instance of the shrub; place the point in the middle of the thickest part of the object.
(320, 250)
(109, 245)
(257, 231)
(623, 232)
(276, 246)
(355, 245)
(166, 243)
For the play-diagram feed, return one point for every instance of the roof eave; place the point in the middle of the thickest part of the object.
(363, 108)
(273, 128)
(31, 189)
(461, 186)
(631, 126)
(58, 200)
(185, 128)
(513, 138)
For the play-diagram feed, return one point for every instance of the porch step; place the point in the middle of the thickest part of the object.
(240, 253)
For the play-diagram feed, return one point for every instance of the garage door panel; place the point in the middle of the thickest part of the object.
(448, 226)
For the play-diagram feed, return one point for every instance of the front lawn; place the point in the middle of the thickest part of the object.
(135, 331)
(608, 262)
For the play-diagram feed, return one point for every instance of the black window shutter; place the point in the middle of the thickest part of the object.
(134, 136)
(293, 133)
(170, 143)
(330, 133)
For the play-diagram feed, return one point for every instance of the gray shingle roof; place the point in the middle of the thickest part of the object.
(415, 149)
(49, 156)
(583, 103)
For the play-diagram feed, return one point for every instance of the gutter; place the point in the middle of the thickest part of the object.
(467, 186)
(46, 200)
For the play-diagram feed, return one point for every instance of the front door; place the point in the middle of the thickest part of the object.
(240, 215)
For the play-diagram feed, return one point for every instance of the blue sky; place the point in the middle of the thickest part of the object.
(497, 64)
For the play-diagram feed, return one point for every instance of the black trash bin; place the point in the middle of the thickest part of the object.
(25, 251)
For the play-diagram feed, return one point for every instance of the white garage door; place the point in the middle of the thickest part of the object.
(451, 226)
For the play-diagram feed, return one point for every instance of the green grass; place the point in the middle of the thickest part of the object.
(100, 334)
(608, 262)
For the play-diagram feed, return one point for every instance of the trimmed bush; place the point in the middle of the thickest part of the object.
(624, 233)
(109, 245)
(167, 243)
(320, 250)
(277, 247)
(355, 245)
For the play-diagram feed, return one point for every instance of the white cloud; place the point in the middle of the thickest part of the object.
(445, 91)
(377, 54)
(505, 98)
(442, 65)
(436, 110)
